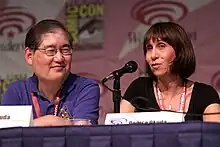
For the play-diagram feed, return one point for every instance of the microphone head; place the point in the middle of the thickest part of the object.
(131, 66)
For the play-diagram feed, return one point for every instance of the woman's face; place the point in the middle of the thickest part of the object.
(160, 56)
(55, 67)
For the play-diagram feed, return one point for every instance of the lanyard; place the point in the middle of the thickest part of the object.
(182, 99)
(37, 107)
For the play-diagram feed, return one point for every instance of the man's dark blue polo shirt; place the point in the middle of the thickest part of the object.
(79, 97)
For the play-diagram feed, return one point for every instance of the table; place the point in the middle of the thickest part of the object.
(188, 134)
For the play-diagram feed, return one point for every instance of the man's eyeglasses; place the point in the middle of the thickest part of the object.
(51, 51)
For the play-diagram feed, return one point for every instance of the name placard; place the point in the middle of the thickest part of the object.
(143, 118)
(16, 116)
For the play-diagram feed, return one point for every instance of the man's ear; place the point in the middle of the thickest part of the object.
(28, 54)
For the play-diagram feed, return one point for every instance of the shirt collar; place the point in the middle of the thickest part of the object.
(68, 85)
(34, 84)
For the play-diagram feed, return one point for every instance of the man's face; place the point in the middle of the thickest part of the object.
(52, 67)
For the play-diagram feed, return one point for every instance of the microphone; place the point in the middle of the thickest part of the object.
(142, 104)
(136, 101)
(129, 67)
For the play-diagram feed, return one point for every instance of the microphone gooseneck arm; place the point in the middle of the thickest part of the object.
(129, 67)
(116, 94)
(143, 99)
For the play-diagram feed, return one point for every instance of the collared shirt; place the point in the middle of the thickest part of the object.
(79, 97)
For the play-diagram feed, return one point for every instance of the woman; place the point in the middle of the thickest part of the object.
(170, 61)
(56, 94)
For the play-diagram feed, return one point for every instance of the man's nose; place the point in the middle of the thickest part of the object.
(59, 56)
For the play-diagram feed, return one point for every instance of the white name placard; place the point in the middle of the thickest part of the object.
(143, 118)
(16, 116)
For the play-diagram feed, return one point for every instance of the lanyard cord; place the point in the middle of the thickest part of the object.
(37, 107)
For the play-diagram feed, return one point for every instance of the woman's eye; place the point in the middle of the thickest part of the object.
(149, 47)
(162, 45)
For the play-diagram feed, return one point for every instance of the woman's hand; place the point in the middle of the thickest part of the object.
(51, 120)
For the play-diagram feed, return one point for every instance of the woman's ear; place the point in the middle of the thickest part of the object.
(28, 54)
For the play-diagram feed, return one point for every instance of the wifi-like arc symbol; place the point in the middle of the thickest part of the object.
(147, 11)
(14, 18)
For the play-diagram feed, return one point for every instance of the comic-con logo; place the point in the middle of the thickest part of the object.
(85, 23)
(149, 11)
(216, 81)
(15, 20)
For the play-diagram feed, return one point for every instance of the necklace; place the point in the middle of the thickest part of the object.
(182, 99)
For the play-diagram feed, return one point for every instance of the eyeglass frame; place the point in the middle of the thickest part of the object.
(44, 50)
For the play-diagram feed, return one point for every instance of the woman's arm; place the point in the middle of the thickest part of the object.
(213, 105)
(126, 107)
(131, 93)
(208, 116)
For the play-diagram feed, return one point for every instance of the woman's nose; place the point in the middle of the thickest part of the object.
(154, 54)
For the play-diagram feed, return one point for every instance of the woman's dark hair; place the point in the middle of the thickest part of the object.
(185, 63)
(33, 36)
